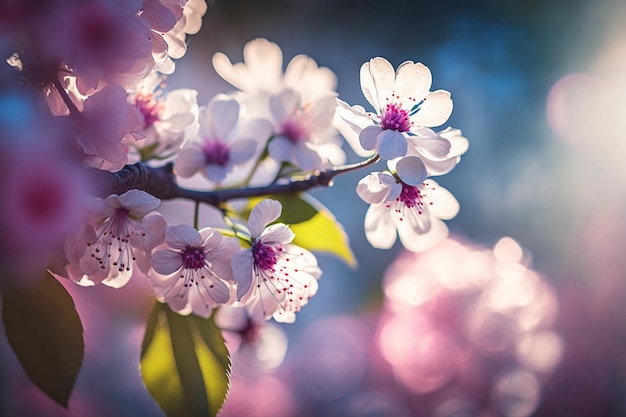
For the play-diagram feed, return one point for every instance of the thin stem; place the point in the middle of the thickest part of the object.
(66, 98)
(196, 214)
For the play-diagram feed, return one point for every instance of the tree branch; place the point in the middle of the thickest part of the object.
(161, 183)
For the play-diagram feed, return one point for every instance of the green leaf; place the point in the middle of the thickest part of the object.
(45, 332)
(316, 228)
(295, 209)
(184, 363)
(323, 233)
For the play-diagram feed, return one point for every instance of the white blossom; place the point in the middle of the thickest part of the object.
(191, 271)
(412, 212)
(275, 278)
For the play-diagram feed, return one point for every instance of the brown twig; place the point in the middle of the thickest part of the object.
(161, 183)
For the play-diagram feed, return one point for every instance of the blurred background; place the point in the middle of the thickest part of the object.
(518, 314)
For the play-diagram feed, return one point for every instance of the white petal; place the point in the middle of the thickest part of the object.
(220, 292)
(242, 150)
(411, 170)
(369, 137)
(384, 78)
(419, 243)
(441, 167)
(444, 206)
(166, 262)
(379, 229)
(306, 158)
(372, 190)
(181, 236)
(242, 264)
(211, 238)
(435, 109)
(189, 161)
(392, 144)
(215, 173)
(367, 86)
(277, 234)
(412, 80)
(281, 149)
(459, 144)
(265, 61)
(224, 116)
(263, 214)
(117, 279)
(139, 203)
(153, 234)
(437, 147)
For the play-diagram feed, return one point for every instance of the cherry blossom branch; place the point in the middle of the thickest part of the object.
(161, 183)
(66, 98)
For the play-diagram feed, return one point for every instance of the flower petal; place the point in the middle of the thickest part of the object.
(384, 76)
(435, 109)
(189, 161)
(379, 229)
(369, 137)
(413, 80)
(139, 203)
(263, 214)
(411, 170)
(372, 189)
(392, 144)
(444, 205)
(224, 116)
(166, 262)
(277, 234)
(242, 264)
(181, 236)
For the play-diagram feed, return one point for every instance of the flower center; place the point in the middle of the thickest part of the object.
(149, 107)
(193, 258)
(293, 130)
(411, 197)
(395, 118)
(112, 246)
(216, 152)
(264, 256)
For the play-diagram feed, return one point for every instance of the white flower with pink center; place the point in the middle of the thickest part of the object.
(224, 142)
(412, 209)
(275, 278)
(123, 230)
(304, 134)
(191, 272)
(167, 118)
(404, 105)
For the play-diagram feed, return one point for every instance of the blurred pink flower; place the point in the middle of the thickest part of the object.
(41, 203)
(107, 118)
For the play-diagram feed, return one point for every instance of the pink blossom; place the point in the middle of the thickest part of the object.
(107, 118)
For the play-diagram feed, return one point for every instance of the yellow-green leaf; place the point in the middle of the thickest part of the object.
(323, 233)
(184, 363)
(45, 332)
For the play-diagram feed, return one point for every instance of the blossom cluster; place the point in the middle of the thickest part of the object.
(101, 69)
